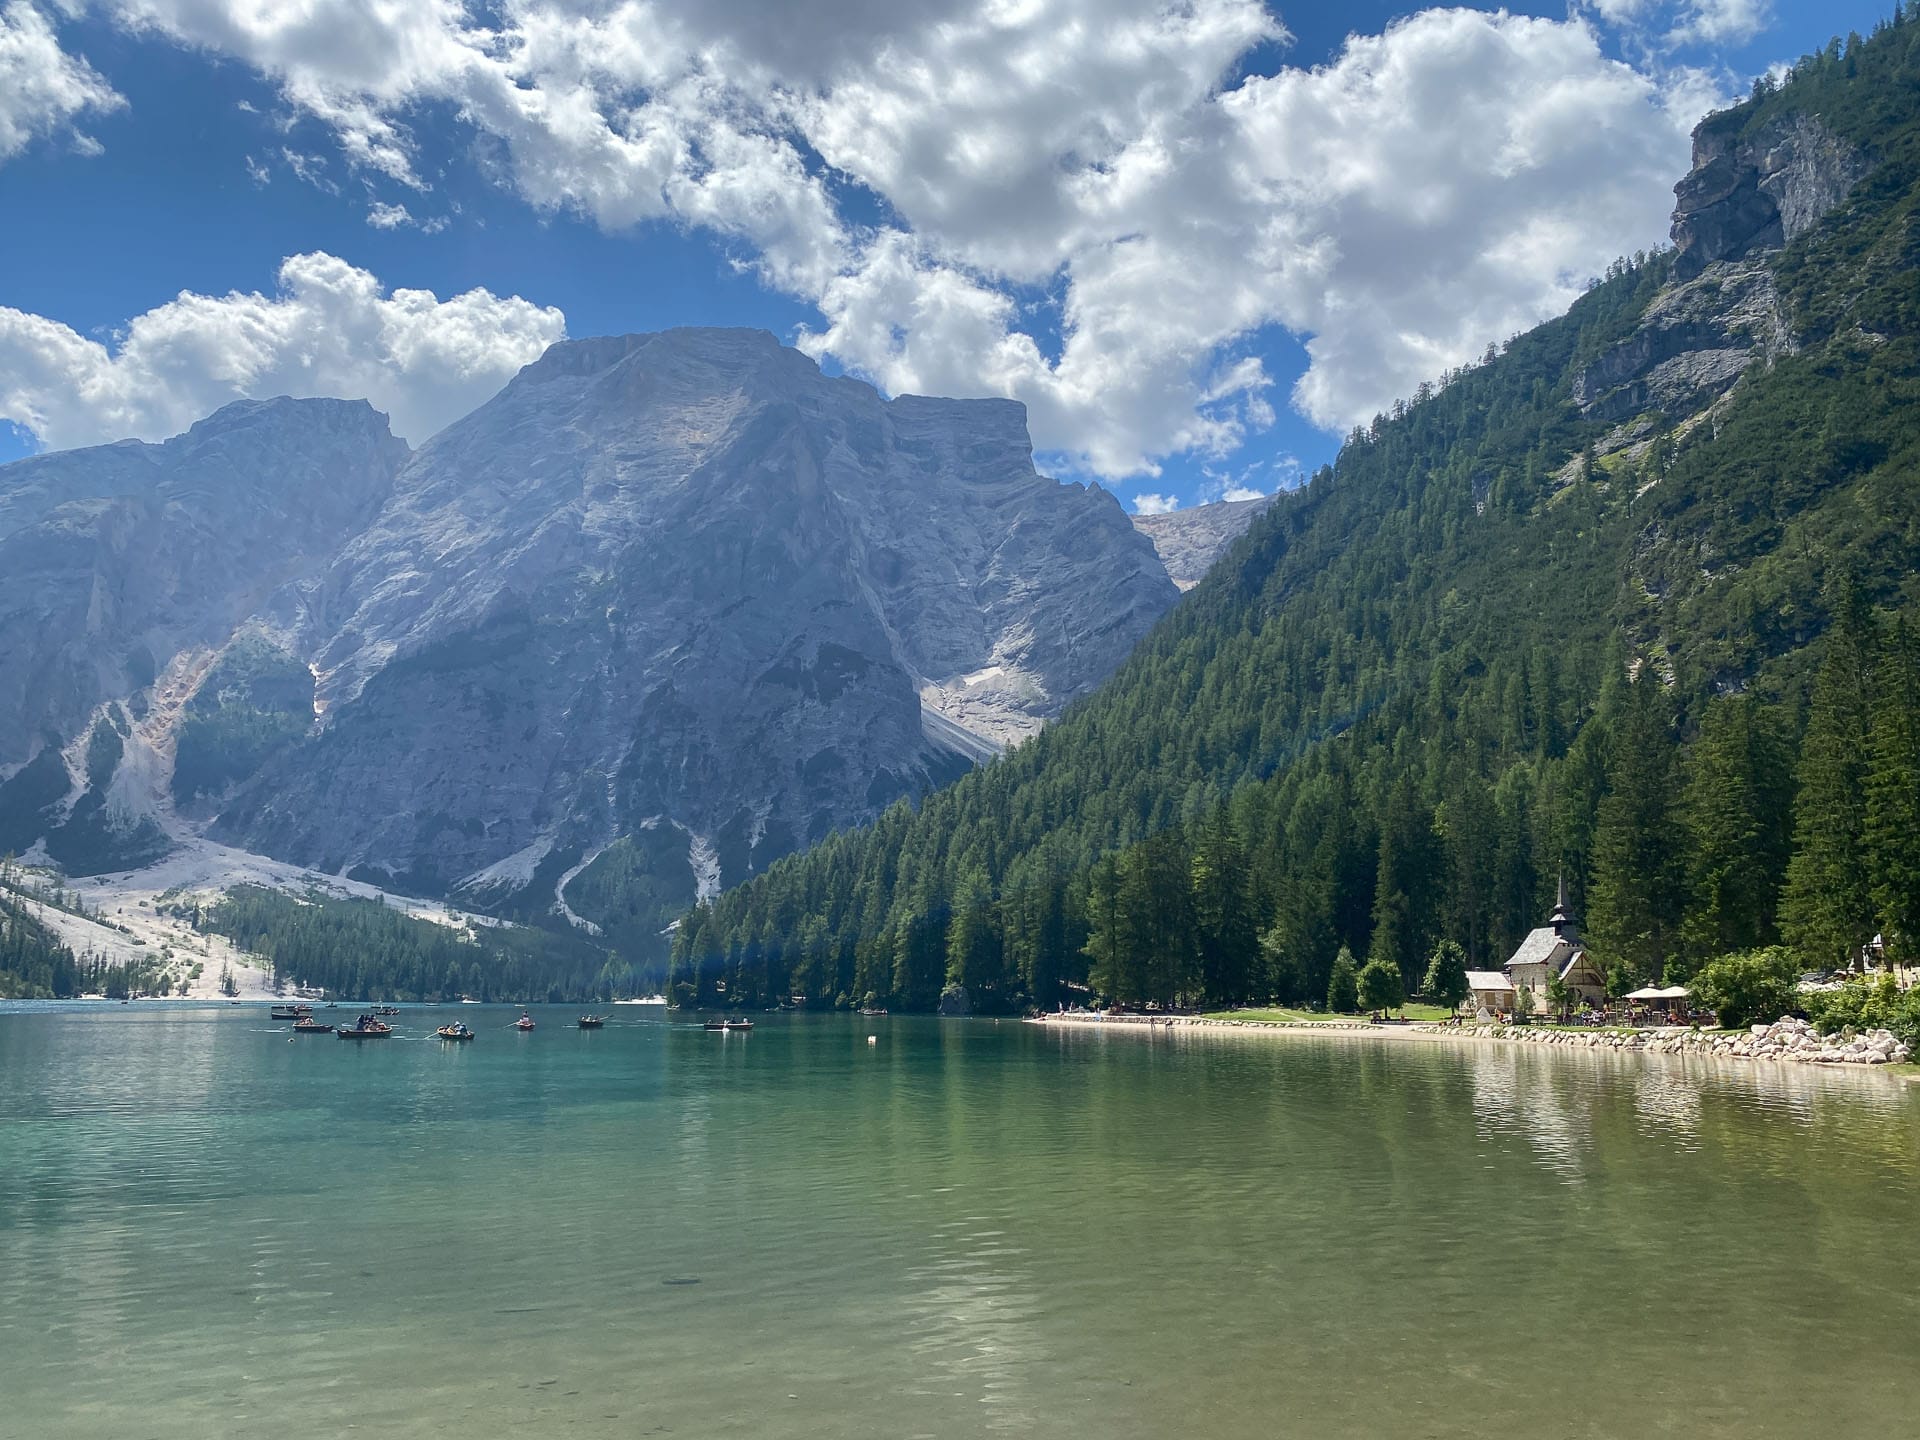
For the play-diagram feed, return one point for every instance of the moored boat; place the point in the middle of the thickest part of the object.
(291, 1012)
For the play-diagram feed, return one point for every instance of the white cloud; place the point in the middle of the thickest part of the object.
(330, 329)
(1426, 191)
(1721, 22)
(382, 216)
(1155, 504)
(42, 88)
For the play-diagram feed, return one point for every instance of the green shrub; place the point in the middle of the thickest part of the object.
(1748, 986)
(1876, 1004)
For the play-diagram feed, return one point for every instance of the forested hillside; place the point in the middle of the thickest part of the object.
(1651, 641)
(365, 950)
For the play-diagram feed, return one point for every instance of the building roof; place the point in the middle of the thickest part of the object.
(1488, 980)
(1539, 947)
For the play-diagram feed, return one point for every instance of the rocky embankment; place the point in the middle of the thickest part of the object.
(1794, 1041)
(1787, 1039)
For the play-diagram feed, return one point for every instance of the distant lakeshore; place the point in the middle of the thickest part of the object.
(1788, 1042)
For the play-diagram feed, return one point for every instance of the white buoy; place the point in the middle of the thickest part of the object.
(873, 1039)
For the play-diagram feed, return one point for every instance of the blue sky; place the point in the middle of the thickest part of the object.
(1198, 243)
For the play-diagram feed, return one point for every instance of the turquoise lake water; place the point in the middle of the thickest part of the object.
(210, 1228)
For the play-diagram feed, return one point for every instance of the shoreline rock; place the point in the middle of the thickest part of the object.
(1788, 1040)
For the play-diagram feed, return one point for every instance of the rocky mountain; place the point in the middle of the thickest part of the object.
(124, 568)
(665, 608)
(1189, 541)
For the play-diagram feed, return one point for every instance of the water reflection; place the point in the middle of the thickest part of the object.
(1669, 1102)
(1518, 1092)
(965, 1227)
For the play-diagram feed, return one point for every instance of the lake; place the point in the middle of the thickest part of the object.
(211, 1228)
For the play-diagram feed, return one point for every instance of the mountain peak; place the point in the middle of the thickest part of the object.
(727, 346)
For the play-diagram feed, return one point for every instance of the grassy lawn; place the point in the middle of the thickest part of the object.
(1321, 1017)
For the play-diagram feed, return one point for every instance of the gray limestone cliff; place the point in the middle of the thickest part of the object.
(1189, 541)
(1750, 192)
(670, 606)
(123, 568)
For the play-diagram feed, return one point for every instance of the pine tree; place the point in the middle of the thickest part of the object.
(1827, 907)
(1734, 810)
(1892, 820)
(973, 942)
(1635, 905)
(1223, 912)
(1343, 984)
(1407, 881)
(1446, 979)
(1112, 969)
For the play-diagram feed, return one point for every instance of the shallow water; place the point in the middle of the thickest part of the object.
(208, 1228)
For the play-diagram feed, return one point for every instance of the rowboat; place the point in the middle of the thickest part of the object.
(365, 1028)
(455, 1031)
(525, 1022)
(592, 1022)
(291, 1012)
(729, 1025)
(307, 1025)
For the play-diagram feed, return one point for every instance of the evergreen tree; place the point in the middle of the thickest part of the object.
(1827, 907)
(1113, 967)
(1223, 913)
(1343, 984)
(1636, 899)
(1892, 819)
(1284, 978)
(1446, 979)
(1734, 813)
(1407, 880)
(973, 941)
